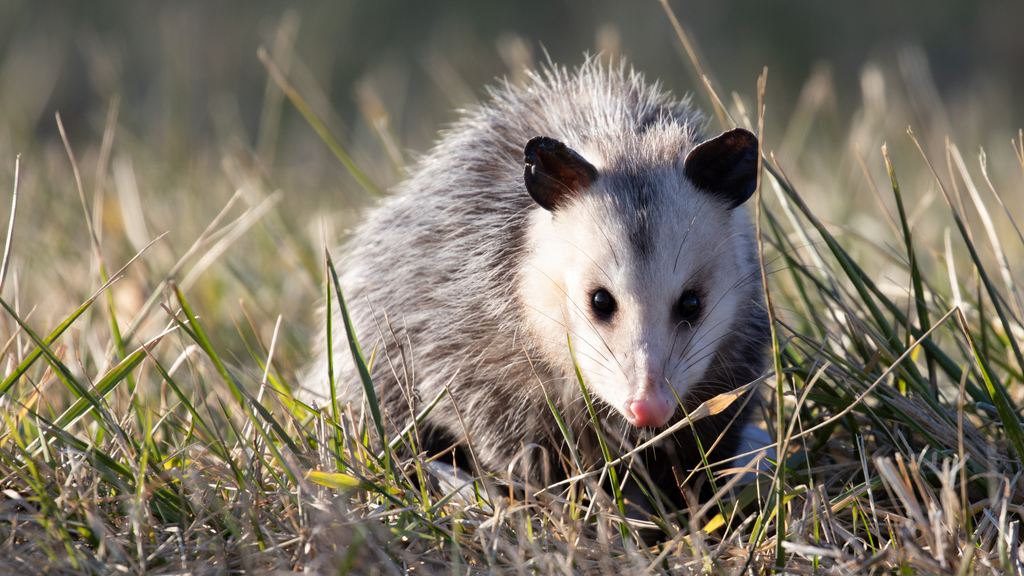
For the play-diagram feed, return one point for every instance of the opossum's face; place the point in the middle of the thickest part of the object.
(648, 271)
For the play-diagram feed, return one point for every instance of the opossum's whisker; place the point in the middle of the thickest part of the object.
(575, 335)
(580, 338)
(739, 282)
(695, 330)
(728, 367)
(686, 351)
(683, 242)
(572, 302)
(586, 319)
(693, 358)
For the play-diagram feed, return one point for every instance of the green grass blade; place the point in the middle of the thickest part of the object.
(612, 473)
(203, 340)
(1004, 406)
(245, 401)
(106, 385)
(868, 291)
(360, 362)
(31, 358)
(59, 369)
(915, 272)
(330, 339)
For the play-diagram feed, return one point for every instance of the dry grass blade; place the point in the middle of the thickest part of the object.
(977, 261)
(990, 229)
(10, 227)
(698, 67)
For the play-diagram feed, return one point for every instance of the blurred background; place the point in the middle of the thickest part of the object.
(194, 119)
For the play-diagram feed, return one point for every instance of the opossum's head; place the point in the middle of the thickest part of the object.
(647, 262)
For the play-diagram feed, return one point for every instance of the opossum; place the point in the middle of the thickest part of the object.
(585, 206)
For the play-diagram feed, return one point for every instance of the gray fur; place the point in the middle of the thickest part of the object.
(432, 277)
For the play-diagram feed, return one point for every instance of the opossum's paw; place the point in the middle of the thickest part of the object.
(448, 479)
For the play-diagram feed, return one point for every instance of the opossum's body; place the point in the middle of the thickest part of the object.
(470, 276)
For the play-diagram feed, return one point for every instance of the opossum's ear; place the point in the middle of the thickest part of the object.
(554, 172)
(725, 166)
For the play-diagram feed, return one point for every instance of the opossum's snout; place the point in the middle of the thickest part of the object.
(651, 404)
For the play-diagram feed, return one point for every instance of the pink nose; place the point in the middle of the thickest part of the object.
(652, 412)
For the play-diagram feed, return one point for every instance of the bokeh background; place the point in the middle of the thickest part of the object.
(196, 120)
(169, 60)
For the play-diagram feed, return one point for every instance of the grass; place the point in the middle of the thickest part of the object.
(149, 423)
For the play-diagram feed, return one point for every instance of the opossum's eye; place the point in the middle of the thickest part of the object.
(689, 305)
(603, 303)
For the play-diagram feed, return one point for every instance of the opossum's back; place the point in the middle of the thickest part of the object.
(427, 275)
(436, 247)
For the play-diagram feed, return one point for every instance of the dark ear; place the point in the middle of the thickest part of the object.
(725, 166)
(554, 172)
